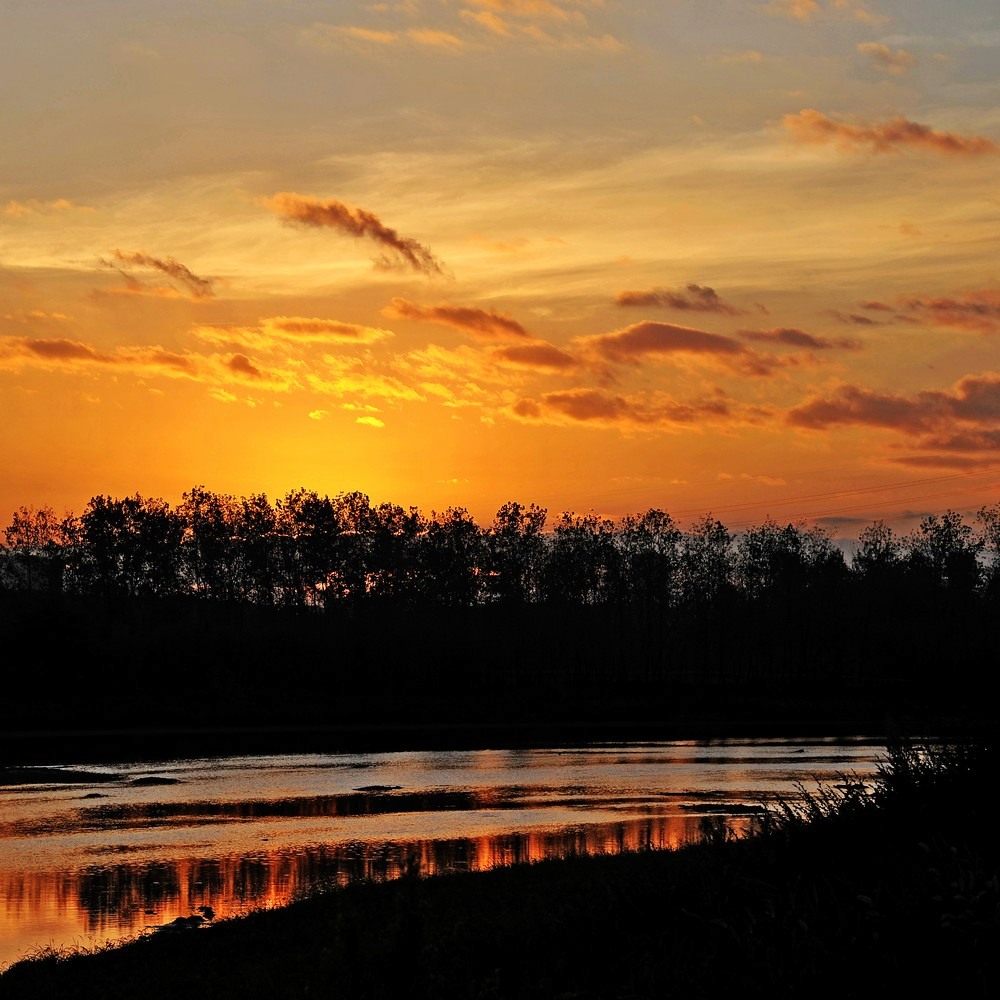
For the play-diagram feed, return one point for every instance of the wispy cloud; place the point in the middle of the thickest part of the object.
(812, 10)
(794, 337)
(695, 298)
(898, 62)
(322, 330)
(975, 310)
(33, 206)
(599, 408)
(558, 10)
(314, 213)
(194, 285)
(140, 361)
(65, 353)
(321, 35)
(484, 324)
(853, 319)
(797, 10)
(811, 126)
(478, 25)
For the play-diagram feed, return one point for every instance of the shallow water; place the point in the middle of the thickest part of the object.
(141, 844)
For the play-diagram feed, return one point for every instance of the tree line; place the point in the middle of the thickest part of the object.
(312, 551)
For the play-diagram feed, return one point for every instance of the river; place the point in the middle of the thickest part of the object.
(102, 853)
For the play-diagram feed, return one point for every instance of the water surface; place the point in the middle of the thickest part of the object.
(102, 853)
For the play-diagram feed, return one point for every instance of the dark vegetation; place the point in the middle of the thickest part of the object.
(317, 611)
(855, 894)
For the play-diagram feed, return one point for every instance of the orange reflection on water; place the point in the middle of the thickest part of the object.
(116, 902)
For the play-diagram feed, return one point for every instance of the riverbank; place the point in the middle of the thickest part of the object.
(859, 896)
(688, 719)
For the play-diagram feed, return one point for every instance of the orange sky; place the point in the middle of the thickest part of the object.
(738, 257)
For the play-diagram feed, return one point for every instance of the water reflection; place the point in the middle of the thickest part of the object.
(237, 834)
(118, 900)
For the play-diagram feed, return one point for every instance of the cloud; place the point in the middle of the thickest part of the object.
(36, 316)
(197, 287)
(659, 340)
(898, 62)
(240, 364)
(484, 324)
(857, 11)
(559, 10)
(976, 310)
(559, 25)
(853, 319)
(303, 210)
(797, 10)
(32, 206)
(322, 330)
(534, 35)
(535, 356)
(342, 377)
(598, 408)
(139, 361)
(973, 404)
(321, 35)
(369, 422)
(810, 10)
(852, 405)
(696, 298)
(793, 337)
(64, 353)
(811, 126)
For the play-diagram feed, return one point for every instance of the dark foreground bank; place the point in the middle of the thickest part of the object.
(893, 892)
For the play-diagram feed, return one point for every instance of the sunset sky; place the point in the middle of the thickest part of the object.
(730, 256)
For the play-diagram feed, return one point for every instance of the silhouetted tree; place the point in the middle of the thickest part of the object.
(879, 556)
(36, 548)
(209, 547)
(453, 555)
(394, 557)
(649, 547)
(349, 578)
(258, 549)
(307, 531)
(130, 546)
(579, 552)
(515, 545)
(944, 552)
(989, 518)
(706, 561)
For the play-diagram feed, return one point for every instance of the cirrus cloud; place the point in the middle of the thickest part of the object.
(315, 213)
(484, 324)
(696, 298)
(812, 126)
(794, 337)
(195, 285)
(974, 310)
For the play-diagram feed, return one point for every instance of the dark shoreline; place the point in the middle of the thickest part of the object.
(40, 747)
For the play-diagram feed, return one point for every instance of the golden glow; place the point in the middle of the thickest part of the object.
(582, 254)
